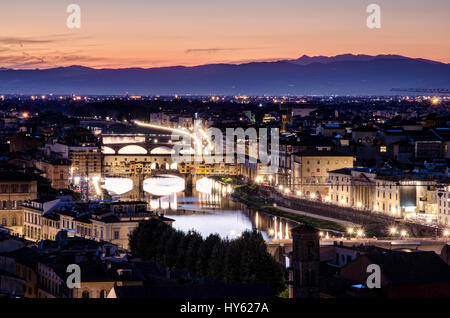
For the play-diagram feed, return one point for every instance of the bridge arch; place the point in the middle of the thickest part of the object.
(162, 150)
(132, 150)
(108, 150)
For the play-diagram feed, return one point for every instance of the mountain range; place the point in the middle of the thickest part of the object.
(345, 74)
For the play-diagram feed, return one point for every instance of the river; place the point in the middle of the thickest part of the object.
(211, 209)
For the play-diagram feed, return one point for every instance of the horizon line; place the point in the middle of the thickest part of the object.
(237, 63)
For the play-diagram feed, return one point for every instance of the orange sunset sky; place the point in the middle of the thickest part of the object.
(147, 33)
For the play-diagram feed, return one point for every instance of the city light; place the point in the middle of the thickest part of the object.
(197, 141)
(360, 233)
(299, 193)
(403, 233)
(350, 230)
(446, 233)
(435, 100)
(313, 195)
(393, 230)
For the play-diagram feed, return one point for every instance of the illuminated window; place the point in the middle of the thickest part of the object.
(383, 149)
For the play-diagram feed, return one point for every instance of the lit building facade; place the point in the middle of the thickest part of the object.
(398, 196)
(443, 197)
(15, 188)
(85, 161)
(310, 173)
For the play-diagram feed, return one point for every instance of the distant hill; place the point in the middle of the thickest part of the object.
(320, 75)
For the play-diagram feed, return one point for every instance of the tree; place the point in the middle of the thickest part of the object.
(244, 260)
(194, 242)
(216, 263)
(205, 252)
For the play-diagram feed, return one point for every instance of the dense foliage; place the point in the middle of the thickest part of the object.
(244, 259)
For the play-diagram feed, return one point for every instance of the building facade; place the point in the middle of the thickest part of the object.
(15, 188)
(310, 173)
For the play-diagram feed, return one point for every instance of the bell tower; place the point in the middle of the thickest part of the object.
(305, 262)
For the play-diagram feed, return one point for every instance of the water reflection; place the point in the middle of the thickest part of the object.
(210, 209)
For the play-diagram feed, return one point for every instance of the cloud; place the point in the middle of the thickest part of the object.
(21, 41)
(214, 50)
(45, 39)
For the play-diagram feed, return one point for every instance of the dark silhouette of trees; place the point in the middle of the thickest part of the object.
(243, 260)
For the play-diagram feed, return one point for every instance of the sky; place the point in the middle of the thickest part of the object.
(155, 33)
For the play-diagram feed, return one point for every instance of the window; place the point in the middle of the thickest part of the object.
(4, 222)
(24, 188)
(85, 294)
(116, 234)
(383, 149)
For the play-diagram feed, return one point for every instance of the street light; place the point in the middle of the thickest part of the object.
(393, 230)
(350, 230)
(403, 233)
(446, 233)
(360, 233)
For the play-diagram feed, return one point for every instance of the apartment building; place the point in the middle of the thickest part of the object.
(35, 220)
(85, 161)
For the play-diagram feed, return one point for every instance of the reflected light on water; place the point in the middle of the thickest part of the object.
(209, 210)
(118, 185)
(164, 185)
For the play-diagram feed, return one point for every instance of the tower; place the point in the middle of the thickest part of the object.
(305, 262)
